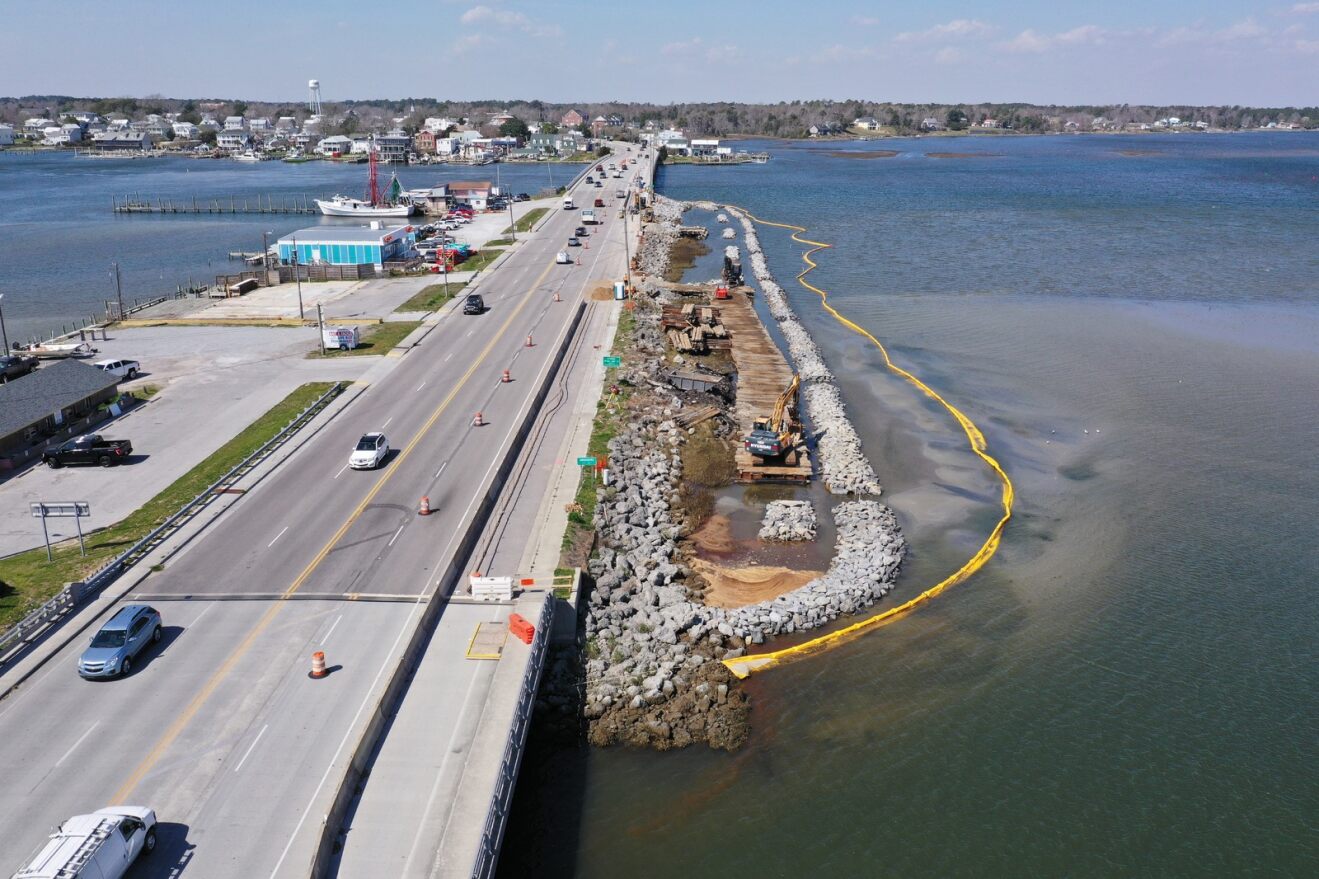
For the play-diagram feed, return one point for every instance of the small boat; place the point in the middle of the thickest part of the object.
(59, 351)
(730, 232)
(723, 218)
(250, 156)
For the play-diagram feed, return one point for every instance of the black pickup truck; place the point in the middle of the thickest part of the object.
(89, 449)
(14, 366)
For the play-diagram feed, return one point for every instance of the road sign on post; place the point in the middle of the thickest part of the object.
(62, 510)
(613, 361)
(586, 462)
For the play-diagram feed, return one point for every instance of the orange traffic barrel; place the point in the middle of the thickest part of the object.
(317, 665)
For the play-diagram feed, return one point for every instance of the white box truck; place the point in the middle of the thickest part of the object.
(567, 203)
(588, 217)
(102, 845)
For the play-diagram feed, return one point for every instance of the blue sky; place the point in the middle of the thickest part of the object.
(1065, 51)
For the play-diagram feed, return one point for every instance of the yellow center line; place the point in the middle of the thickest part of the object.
(176, 728)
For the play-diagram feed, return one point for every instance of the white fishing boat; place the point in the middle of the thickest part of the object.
(60, 350)
(250, 156)
(393, 204)
(723, 218)
(730, 232)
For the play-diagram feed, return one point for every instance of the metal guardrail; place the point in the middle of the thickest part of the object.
(74, 594)
(492, 836)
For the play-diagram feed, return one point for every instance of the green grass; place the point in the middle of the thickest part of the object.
(499, 242)
(479, 261)
(432, 297)
(527, 220)
(375, 339)
(27, 579)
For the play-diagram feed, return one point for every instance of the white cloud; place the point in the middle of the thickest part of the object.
(1307, 47)
(864, 20)
(509, 18)
(948, 55)
(839, 52)
(1305, 8)
(1031, 40)
(1198, 34)
(698, 48)
(958, 28)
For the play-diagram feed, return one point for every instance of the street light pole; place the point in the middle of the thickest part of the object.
(119, 290)
(512, 226)
(3, 333)
(297, 276)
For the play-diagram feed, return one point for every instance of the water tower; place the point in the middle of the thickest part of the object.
(314, 96)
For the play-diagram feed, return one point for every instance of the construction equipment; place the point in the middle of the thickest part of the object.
(775, 435)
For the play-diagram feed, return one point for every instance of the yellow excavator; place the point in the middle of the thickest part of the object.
(774, 436)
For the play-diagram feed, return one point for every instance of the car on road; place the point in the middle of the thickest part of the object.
(562, 258)
(620, 193)
(573, 242)
(474, 304)
(124, 370)
(580, 232)
(590, 179)
(371, 451)
(599, 202)
(89, 448)
(521, 196)
(599, 184)
(13, 366)
(102, 845)
(120, 641)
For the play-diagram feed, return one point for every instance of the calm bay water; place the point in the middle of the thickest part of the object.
(1128, 689)
(58, 235)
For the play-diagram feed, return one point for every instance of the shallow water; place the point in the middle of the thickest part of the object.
(1127, 689)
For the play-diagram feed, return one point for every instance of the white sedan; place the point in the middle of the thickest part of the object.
(371, 451)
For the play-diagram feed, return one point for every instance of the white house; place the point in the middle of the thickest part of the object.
(703, 146)
(208, 123)
(234, 123)
(438, 123)
(234, 141)
(361, 145)
(866, 123)
(260, 123)
(668, 135)
(286, 123)
(185, 131)
(336, 143)
(36, 125)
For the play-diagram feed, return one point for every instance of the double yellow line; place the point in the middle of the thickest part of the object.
(745, 665)
(176, 728)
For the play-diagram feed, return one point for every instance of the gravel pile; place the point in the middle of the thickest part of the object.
(788, 520)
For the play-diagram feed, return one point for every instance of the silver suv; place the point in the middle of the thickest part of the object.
(120, 640)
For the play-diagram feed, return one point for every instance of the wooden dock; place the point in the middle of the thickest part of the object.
(257, 205)
(762, 374)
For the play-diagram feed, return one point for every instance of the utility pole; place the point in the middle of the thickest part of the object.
(627, 252)
(297, 276)
(119, 290)
(320, 325)
(3, 333)
(265, 250)
(512, 226)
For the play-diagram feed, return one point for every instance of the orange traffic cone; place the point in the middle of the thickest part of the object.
(530, 344)
(318, 669)
(478, 421)
(506, 377)
(556, 296)
(425, 509)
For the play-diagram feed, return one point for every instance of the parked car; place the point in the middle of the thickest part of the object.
(102, 845)
(14, 366)
(573, 242)
(89, 448)
(123, 637)
(474, 304)
(521, 196)
(124, 370)
(371, 451)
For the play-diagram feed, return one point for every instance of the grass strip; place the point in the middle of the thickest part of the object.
(27, 579)
(432, 297)
(527, 220)
(375, 339)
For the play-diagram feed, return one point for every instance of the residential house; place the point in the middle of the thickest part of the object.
(362, 144)
(394, 146)
(302, 139)
(259, 125)
(185, 131)
(159, 130)
(233, 141)
(439, 124)
(424, 142)
(931, 123)
(500, 118)
(286, 124)
(117, 124)
(598, 126)
(121, 140)
(36, 125)
(571, 119)
(866, 123)
(234, 123)
(990, 123)
(473, 192)
(334, 144)
(208, 123)
(668, 135)
(613, 120)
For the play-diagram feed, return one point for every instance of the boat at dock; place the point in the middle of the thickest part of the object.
(723, 218)
(394, 204)
(251, 156)
(59, 351)
(730, 232)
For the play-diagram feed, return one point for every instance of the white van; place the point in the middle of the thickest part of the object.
(102, 845)
(567, 203)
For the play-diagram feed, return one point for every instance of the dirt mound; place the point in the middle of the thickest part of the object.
(737, 587)
(714, 536)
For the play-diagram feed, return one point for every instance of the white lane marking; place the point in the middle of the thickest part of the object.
(199, 617)
(277, 537)
(395, 537)
(248, 752)
(390, 660)
(332, 628)
(447, 356)
(420, 386)
(439, 775)
(469, 332)
(341, 470)
(81, 739)
(441, 470)
(386, 424)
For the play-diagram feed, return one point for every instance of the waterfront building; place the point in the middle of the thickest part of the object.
(286, 124)
(233, 141)
(302, 139)
(668, 135)
(393, 146)
(930, 123)
(335, 143)
(475, 193)
(424, 142)
(234, 123)
(208, 123)
(438, 124)
(6, 135)
(51, 402)
(347, 246)
(259, 124)
(107, 141)
(185, 131)
(866, 123)
(37, 124)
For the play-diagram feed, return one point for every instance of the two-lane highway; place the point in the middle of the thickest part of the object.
(221, 730)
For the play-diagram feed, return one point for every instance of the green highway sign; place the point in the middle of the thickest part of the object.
(586, 462)
(613, 361)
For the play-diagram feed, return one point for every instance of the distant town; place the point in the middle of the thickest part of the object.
(423, 131)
